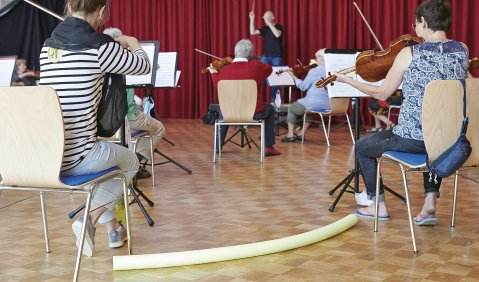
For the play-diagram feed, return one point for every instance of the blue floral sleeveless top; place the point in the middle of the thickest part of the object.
(430, 61)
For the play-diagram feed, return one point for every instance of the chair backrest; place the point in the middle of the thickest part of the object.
(339, 105)
(237, 99)
(442, 116)
(32, 136)
(472, 85)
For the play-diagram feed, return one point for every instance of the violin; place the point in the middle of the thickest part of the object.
(474, 63)
(374, 65)
(218, 64)
(300, 70)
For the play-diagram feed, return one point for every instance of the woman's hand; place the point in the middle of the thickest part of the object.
(342, 78)
(128, 42)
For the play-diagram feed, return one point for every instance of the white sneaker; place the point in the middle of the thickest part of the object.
(89, 245)
(362, 199)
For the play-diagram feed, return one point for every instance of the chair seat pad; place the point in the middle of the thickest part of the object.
(318, 111)
(75, 180)
(411, 160)
(134, 134)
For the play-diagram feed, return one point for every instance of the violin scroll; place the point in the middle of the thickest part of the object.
(326, 80)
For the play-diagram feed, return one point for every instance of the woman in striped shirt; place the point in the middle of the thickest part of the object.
(73, 62)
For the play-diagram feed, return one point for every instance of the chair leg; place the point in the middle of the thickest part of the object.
(408, 204)
(216, 142)
(324, 129)
(152, 156)
(127, 213)
(83, 232)
(261, 158)
(350, 129)
(453, 216)
(376, 202)
(302, 129)
(45, 223)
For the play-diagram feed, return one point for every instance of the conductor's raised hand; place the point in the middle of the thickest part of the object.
(251, 15)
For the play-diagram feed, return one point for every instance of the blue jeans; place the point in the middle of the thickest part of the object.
(371, 147)
(274, 61)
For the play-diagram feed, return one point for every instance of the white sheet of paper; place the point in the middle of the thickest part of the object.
(338, 62)
(7, 65)
(178, 72)
(166, 74)
(282, 79)
(146, 78)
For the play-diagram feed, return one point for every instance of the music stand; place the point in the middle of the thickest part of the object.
(279, 78)
(335, 60)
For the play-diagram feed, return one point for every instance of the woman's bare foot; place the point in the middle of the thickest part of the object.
(429, 208)
(369, 211)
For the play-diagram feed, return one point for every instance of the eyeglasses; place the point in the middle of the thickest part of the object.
(413, 26)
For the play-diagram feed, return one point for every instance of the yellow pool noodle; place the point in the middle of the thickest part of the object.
(233, 252)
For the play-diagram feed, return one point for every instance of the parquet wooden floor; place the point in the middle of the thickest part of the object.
(239, 201)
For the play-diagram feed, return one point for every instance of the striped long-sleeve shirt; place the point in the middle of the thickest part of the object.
(78, 78)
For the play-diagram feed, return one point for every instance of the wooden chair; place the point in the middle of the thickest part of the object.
(237, 100)
(31, 150)
(442, 117)
(339, 106)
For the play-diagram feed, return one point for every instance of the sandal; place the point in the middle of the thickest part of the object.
(390, 126)
(288, 139)
(375, 129)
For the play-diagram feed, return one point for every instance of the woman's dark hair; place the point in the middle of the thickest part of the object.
(85, 6)
(437, 14)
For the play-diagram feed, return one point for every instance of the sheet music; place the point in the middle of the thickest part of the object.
(151, 49)
(282, 79)
(178, 72)
(337, 62)
(7, 66)
(166, 74)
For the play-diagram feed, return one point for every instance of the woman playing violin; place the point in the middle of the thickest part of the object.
(316, 98)
(415, 67)
(23, 76)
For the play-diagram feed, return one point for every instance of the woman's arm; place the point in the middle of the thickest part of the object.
(391, 82)
(114, 58)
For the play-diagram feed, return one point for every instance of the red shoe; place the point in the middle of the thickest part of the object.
(271, 151)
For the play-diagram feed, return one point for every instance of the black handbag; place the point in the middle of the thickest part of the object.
(455, 156)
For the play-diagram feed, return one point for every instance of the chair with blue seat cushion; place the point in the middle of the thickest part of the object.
(339, 106)
(442, 116)
(135, 139)
(32, 144)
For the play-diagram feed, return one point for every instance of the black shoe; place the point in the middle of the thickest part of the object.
(288, 139)
(142, 173)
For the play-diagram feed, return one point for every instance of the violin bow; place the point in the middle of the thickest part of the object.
(44, 9)
(367, 24)
(208, 54)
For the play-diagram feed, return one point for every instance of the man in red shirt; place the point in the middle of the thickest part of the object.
(242, 68)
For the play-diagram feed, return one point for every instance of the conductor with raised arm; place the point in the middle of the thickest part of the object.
(272, 34)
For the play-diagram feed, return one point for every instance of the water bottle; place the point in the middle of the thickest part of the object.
(120, 210)
(277, 100)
